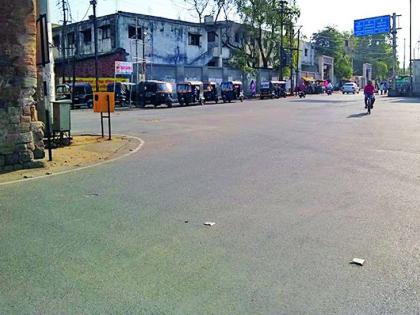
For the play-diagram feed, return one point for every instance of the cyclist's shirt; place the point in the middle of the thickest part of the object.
(369, 89)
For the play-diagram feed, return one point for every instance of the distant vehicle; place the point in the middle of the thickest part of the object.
(350, 87)
(62, 92)
(190, 92)
(83, 95)
(155, 93)
(210, 92)
(273, 89)
(232, 90)
(121, 93)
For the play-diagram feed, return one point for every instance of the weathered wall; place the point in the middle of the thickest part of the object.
(166, 41)
(17, 86)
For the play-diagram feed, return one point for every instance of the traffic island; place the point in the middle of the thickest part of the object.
(84, 151)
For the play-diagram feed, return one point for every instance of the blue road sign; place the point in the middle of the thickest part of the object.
(372, 26)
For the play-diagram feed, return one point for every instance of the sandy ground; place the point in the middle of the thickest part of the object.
(84, 150)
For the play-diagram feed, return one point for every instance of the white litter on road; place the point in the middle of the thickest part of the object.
(358, 261)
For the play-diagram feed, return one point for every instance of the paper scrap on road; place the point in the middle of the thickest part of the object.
(358, 261)
(209, 223)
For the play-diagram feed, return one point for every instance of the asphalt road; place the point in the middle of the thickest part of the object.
(297, 188)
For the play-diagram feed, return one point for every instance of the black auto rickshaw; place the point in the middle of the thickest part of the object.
(62, 92)
(190, 92)
(279, 88)
(155, 93)
(121, 93)
(83, 95)
(210, 92)
(232, 90)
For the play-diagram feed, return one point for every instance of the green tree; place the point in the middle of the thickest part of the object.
(376, 50)
(331, 42)
(261, 20)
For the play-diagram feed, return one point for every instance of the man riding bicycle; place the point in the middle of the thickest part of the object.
(369, 92)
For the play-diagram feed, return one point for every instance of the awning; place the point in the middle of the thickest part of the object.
(308, 78)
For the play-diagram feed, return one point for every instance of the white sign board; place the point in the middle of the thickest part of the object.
(122, 67)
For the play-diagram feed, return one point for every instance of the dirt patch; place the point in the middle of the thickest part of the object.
(84, 150)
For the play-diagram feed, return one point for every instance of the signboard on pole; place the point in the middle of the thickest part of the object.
(122, 67)
(372, 26)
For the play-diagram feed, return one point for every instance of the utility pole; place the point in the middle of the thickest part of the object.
(394, 49)
(144, 56)
(298, 56)
(282, 7)
(95, 31)
(411, 51)
(137, 51)
(405, 45)
(63, 39)
(75, 55)
(291, 37)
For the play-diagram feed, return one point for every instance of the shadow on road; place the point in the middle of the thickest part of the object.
(306, 100)
(407, 100)
(359, 115)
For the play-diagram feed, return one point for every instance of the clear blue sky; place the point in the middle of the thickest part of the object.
(315, 14)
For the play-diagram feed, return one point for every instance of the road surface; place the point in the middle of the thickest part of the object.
(297, 189)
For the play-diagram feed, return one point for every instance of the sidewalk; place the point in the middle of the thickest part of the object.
(85, 150)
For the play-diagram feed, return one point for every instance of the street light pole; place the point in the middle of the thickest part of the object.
(282, 4)
(411, 51)
(143, 55)
(95, 31)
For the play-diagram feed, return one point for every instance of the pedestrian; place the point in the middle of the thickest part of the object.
(253, 88)
(381, 87)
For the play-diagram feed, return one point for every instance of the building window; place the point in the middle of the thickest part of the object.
(306, 52)
(237, 37)
(211, 37)
(194, 39)
(56, 41)
(70, 38)
(106, 31)
(132, 32)
(87, 36)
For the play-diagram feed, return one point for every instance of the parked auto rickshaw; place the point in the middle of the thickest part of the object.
(190, 93)
(272, 89)
(279, 88)
(210, 92)
(121, 93)
(62, 92)
(155, 93)
(232, 90)
(83, 95)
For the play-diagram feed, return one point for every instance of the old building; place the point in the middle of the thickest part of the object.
(163, 48)
(315, 67)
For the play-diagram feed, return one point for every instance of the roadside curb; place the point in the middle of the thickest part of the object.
(141, 143)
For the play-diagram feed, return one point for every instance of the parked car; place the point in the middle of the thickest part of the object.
(190, 93)
(155, 93)
(350, 87)
(83, 95)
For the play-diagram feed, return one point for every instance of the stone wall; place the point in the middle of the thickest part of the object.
(18, 86)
